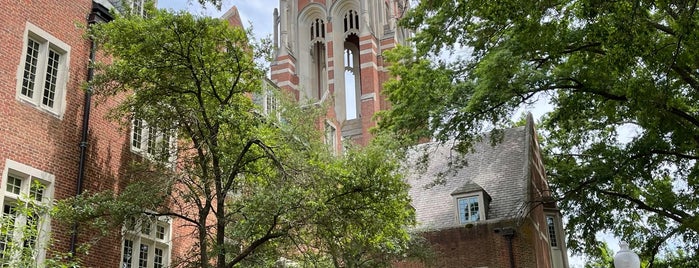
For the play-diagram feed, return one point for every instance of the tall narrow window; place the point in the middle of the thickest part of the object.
(25, 197)
(331, 137)
(551, 224)
(352, 77)
(318, 59)
(319, 69)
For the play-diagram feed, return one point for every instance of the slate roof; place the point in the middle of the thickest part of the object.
(501, 171)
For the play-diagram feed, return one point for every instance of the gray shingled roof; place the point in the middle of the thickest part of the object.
(500, 171)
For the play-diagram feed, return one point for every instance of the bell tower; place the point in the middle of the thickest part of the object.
(330, 52)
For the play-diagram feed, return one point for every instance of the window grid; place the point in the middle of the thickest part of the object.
(128, 253)
(51, 78)
(143, 256)
(149, 236)
(36, 191)
(30, 64)
(551, 223)
(22, 187)
(158, 260)
(160, 232)
(137, 6)
(145, 228)
(469, 209)
(9, 215)
(152, 140)
(14, 184)
(137, 133)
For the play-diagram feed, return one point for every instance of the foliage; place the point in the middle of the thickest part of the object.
(253, 187)
(622, 80)
(603, 257)
(23, 241)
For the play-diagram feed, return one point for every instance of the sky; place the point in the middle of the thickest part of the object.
(255, 13)
(258, 14)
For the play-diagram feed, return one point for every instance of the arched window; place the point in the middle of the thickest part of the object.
(351, 21)
(317, 29)
(318, 58)
(352, 76)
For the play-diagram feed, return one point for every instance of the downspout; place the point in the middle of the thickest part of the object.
(510, 237)
(509, 234)
(98, 14)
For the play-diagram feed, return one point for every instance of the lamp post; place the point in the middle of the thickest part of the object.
(626, 258)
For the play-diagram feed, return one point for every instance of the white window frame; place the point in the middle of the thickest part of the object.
(28, 174)
(138, 238)
(556, 229)
(138, 7)
(481, 207)
(145, 136)
(46, 42)
(268, 100)
(331, 136)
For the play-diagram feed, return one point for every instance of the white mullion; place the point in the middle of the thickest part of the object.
(40, 78)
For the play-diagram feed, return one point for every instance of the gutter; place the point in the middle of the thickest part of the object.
(98, 14)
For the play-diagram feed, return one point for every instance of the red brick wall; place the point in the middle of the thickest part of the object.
(479, 246)
(41, 140)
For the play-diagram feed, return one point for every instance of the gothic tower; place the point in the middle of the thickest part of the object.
(330, 51)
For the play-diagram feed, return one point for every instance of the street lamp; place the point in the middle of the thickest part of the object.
(626, 258)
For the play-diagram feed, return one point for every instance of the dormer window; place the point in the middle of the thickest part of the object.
(471, 203)
(469, 210)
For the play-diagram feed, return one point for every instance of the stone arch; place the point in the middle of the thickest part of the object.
(312, 51)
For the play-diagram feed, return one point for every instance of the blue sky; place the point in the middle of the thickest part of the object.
(257, 13)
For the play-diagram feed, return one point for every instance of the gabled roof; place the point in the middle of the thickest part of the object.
(501, 171)
(233, 17)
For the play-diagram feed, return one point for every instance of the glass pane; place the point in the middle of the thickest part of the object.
(160, 232)
(31, 231)
(143, 257)
(152, 140)
(475, 216)
(552, 230)
(51, 78)
(136, 136)
(14, 184)
(37, 191)
(145, 227)
(158, 260)
(29, 76)
(463, 210)
(127, 254)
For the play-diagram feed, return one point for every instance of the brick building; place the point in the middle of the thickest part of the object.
(493, 212)
(327, 52)
(492, 208)
(53, 136)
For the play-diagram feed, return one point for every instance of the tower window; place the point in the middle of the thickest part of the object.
(351, 20)
(317, 29)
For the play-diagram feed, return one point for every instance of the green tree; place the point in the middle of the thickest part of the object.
(24, 239)
(253, 187)
(622, 80)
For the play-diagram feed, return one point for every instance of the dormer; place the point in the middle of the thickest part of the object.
(471, 203)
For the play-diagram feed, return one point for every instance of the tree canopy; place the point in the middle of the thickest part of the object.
(253, 187)
(622, 78)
